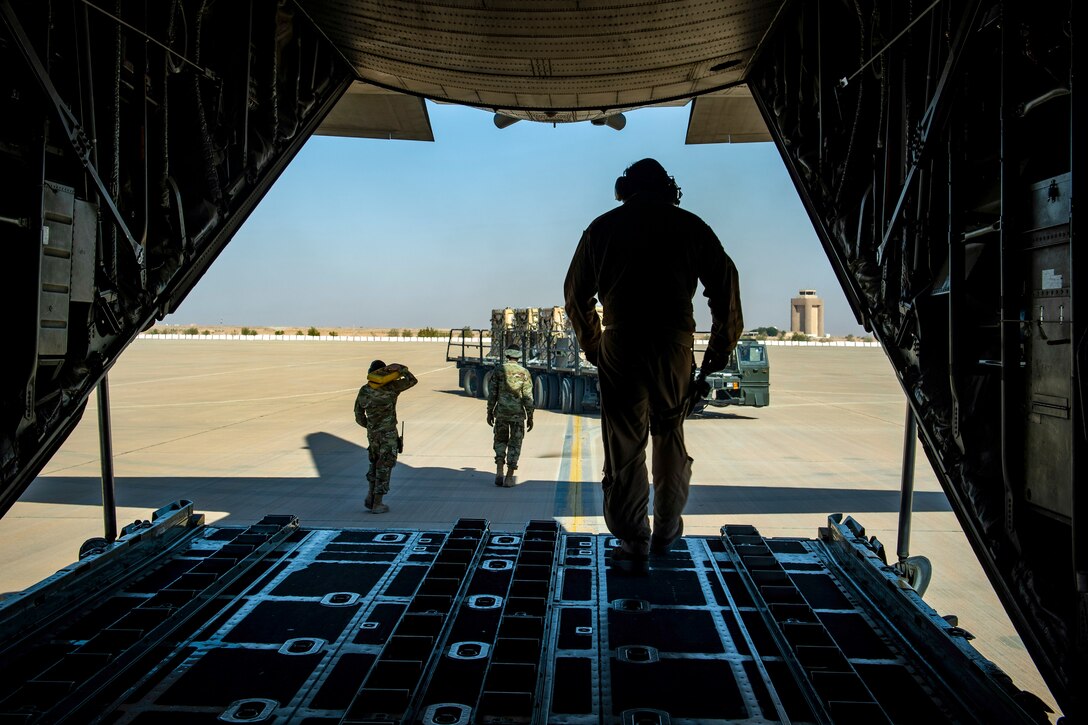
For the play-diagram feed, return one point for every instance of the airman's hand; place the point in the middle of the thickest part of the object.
(712, 363)
(529, 423)
(491, 419)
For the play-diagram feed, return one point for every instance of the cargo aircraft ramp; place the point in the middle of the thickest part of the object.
(934, 149)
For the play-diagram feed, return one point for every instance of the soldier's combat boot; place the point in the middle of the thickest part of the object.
(369, 501)
(376, 505)
(510, 480)
(498, 474)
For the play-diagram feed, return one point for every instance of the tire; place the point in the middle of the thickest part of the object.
(540, 392)
(472, 382)
(554, 392)
(578, 395)
(90, 547)
(566, 396)
(485, 386)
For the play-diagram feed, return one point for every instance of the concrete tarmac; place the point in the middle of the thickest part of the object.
(244, 429)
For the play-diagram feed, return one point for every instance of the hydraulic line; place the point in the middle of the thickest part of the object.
(208, 73)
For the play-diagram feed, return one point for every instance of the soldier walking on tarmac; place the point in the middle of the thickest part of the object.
(510, 413)
(376, 410)
(643, 261)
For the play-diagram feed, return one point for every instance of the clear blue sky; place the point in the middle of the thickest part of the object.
(376, 233)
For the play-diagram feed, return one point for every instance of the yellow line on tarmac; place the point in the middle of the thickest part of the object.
(574, 491)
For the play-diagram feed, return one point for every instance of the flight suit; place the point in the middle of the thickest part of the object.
(643, 260)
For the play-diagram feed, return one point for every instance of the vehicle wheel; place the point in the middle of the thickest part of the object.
(566, 396)
(472, 383)
(97, 545)
(578, 395)
(485, 386)
(540, 391)
(554, 392)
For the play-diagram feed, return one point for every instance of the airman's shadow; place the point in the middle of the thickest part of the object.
(420, 496)
(716, 415)
(431, 496)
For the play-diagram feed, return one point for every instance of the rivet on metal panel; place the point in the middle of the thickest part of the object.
(485, 601)
(302, 646)
(583, 630)
(368, 625)
(612, 543)
(447, 713)
(419, 549)
(469, 650)
(505, 540)
(497, 564)
(340, 599)
(250, 710)
(637, 654)
(390, 538)
(585, 552)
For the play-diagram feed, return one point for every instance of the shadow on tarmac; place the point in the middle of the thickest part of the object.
(434, 494)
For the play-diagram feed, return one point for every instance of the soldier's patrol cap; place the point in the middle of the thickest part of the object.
(513, 352)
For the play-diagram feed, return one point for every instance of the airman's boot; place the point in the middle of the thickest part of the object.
(498, 474)
(369, 501)
(511, 480)
(376, 505)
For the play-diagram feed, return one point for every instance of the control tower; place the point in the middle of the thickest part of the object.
(807, 313)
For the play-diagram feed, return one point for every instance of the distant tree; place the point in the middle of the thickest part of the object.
(771, 331)
(466, 331)
(867, 338)
(152, 331)
(799, 337)
(205, 332)
(850, 338)
(190, 331)
(299, 333)
(278, 332)
(428, 332)
(393, 332)
(332, 333)
(313, 332)
(248, 331)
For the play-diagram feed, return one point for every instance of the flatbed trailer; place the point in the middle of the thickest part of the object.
(563, 380)
(179, 622)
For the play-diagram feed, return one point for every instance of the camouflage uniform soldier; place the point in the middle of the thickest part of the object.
(510, 412)
(376, 410)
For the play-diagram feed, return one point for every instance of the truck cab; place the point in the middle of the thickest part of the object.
(746, 380)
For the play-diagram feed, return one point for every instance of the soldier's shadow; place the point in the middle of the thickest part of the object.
(420, 496)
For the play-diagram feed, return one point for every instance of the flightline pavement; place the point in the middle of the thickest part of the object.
(245, 429)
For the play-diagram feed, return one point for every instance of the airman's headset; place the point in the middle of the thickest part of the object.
(647, 175)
